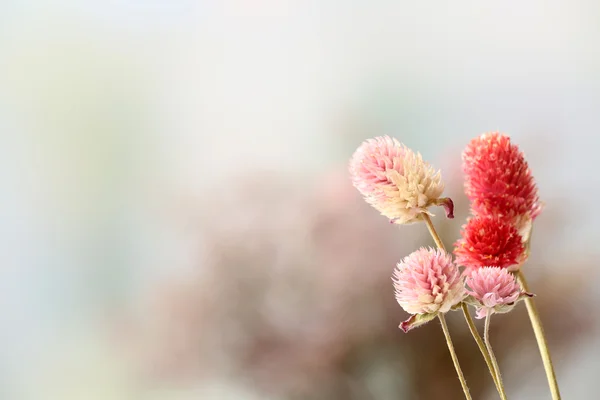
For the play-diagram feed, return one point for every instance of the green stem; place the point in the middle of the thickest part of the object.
(482, 348)
(540, 337)
(434, 234)
(486, 336)
(461, 376)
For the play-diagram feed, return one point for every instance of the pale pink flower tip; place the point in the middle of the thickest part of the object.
(492, 290)
(395, 180)
(427, 282)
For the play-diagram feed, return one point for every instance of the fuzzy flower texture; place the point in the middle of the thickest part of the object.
(498, 181)
(396, 181)
(426, 283)
(490, 241)
(493, 290)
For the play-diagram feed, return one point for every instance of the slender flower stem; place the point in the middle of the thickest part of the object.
(484, 351)
(434, 234)
(486, 336)
(536, 323)
(461, 377)
(468, 318)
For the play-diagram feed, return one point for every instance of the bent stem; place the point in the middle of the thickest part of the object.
(461, 377)
(468, 318)
(540, 337)
(486, 336)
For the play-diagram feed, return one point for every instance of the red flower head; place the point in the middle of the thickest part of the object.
(490, 242)
(499, 182)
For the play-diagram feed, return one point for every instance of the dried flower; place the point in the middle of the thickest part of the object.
(499, 182)
(490, 241)
(493, 290)
(426, 283)
(396, 181)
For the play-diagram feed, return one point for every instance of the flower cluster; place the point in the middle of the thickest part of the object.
(495, 239)
(504, 201)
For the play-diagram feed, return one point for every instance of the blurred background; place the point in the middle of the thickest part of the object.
(177, 220)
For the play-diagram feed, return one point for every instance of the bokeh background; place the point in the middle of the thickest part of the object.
(176, 218)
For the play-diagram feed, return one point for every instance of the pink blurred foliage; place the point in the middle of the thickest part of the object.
(293, 277)
(291, 287)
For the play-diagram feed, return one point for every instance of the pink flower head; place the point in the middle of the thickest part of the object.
(426, 283)
(499, 182)
(492, 290)
(396, 181)
(490, 241)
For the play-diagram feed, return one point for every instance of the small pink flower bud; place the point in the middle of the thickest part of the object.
(492, 290)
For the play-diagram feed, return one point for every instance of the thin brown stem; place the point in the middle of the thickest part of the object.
(538, 330)
(468, 318)
(461, 376)
(488, 344)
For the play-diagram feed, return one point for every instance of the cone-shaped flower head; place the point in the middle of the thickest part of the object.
(395, 180)
(492, 290)
(426, 283)
(498, 181)
(490, 241)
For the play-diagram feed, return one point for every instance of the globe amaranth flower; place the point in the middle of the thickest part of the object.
(492, 290)
(498, 181)
(490, 241)
(426, 283)
(396, 181)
